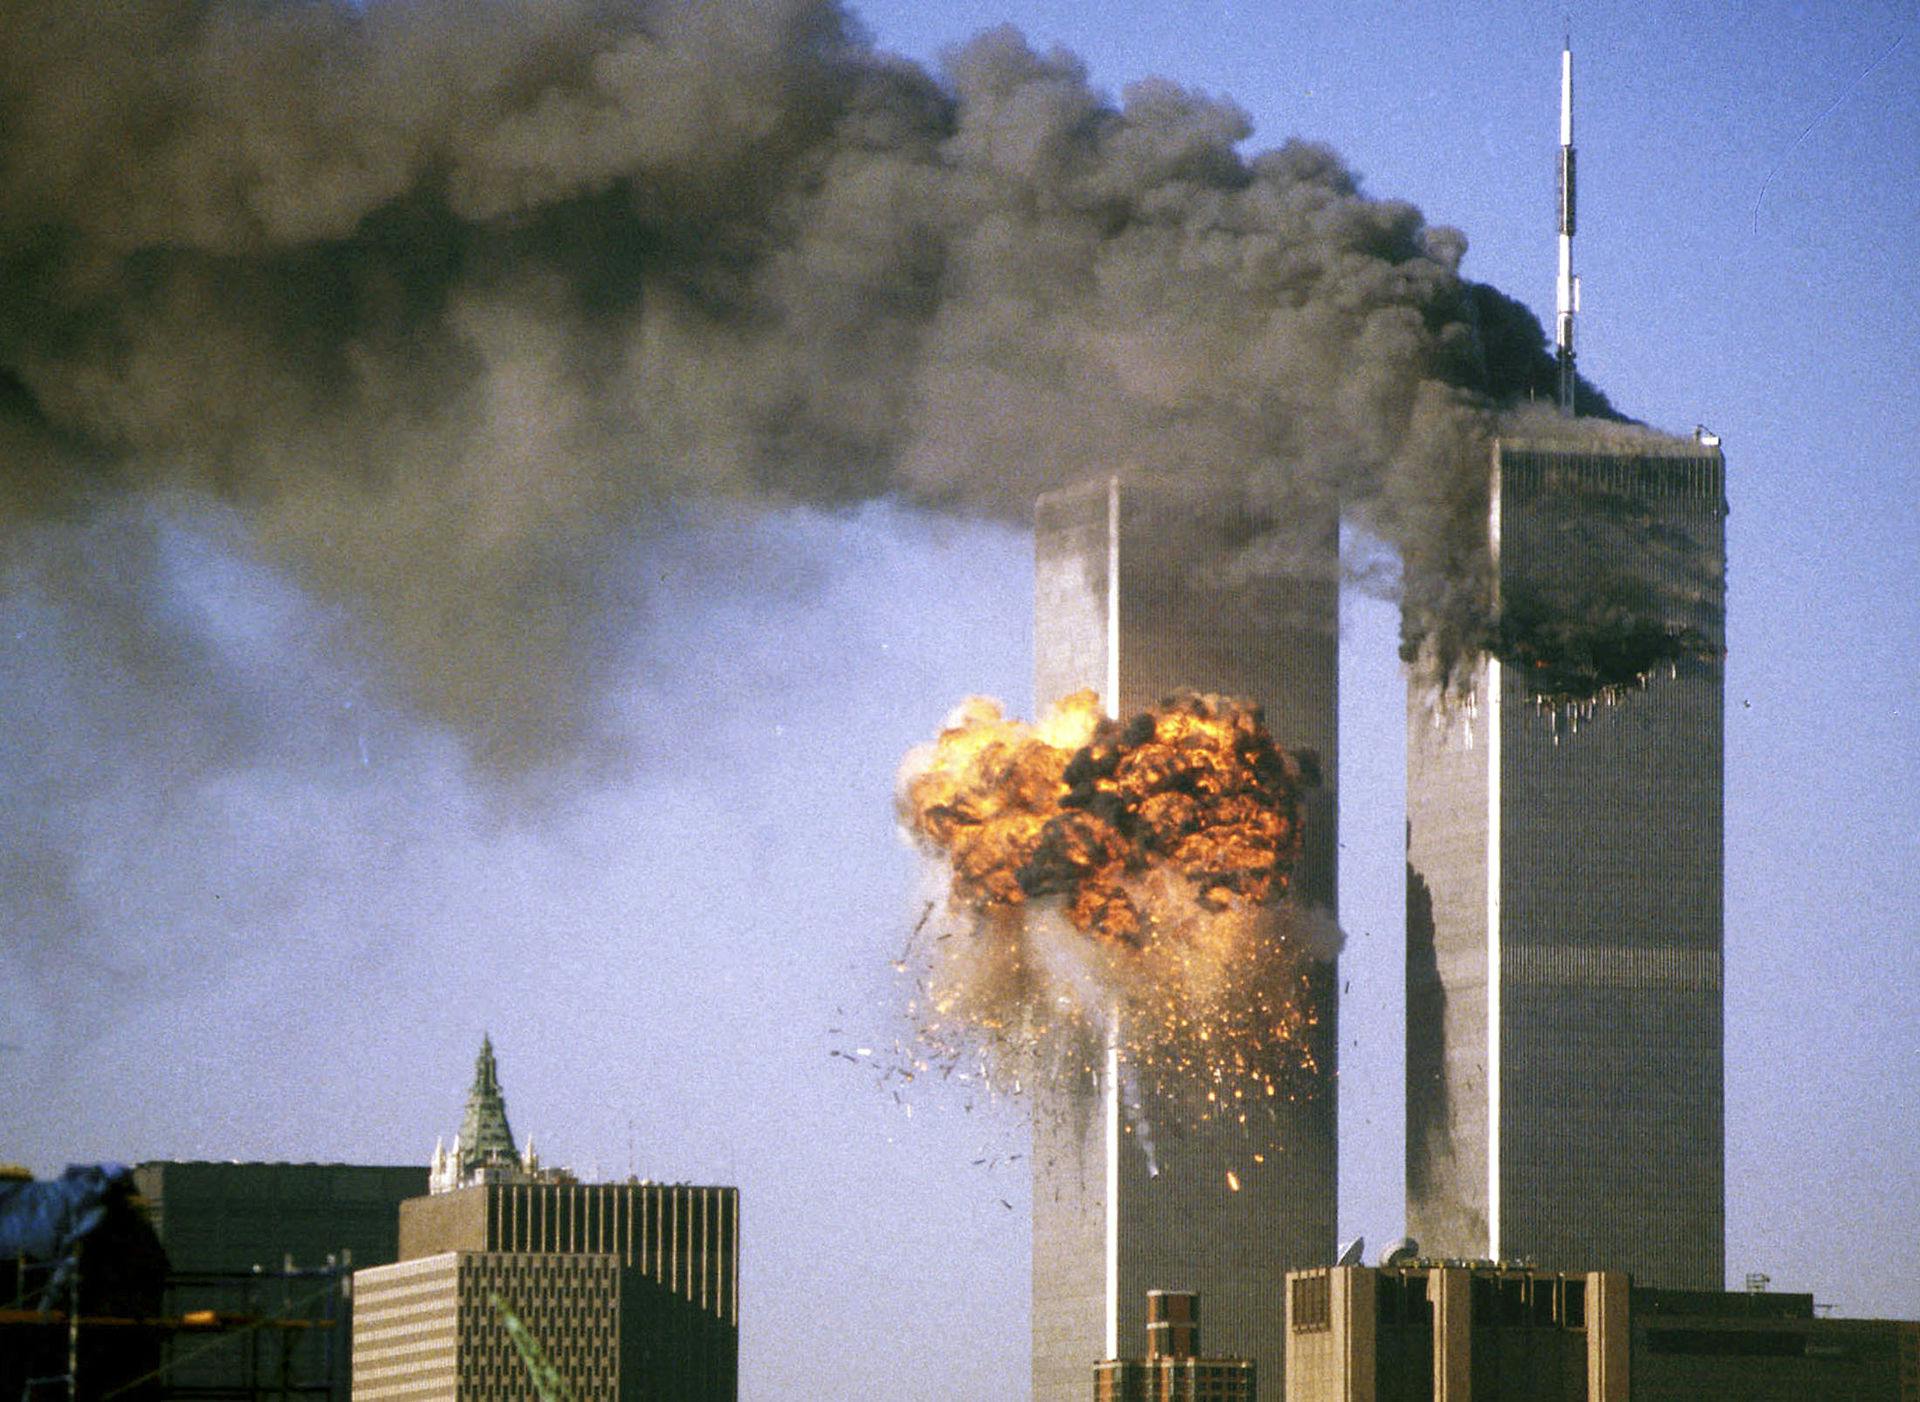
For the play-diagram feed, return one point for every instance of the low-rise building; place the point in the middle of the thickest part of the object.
(1173, 1370)
(1460, 1331)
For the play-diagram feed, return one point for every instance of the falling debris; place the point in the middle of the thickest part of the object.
(1233, 1180)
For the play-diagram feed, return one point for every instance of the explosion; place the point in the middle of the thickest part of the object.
(1124, 882)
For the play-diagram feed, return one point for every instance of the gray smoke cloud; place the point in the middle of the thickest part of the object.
(443, 301)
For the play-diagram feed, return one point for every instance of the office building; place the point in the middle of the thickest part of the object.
(1757, 1346)
(428, 1330)
(1564, 847)
(1132, 602)
(1477, 1332)
(270, 1240)
(231, 1217)
(655, 1287)
(1173, 1370)
(1455, 1333)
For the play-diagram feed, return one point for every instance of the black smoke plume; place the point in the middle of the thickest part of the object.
(442, 299)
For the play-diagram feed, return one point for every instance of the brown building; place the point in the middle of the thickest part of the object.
(1457, 1332)
(1766, 1347)
(1173, 1371)
(631, 1289)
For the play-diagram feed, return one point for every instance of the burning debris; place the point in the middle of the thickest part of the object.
(1119, 882)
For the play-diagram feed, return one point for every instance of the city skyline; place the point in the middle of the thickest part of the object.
(667, 954)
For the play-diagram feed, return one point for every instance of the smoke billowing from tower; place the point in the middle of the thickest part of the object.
(442, 302)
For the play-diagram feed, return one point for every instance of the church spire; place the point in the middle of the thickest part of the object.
(485, 1137)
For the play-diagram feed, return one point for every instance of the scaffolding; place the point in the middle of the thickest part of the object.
(242, 1336)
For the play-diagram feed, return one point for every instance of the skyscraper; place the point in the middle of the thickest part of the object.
(637, 1283)
(631, 1290)
(1564, 1050)
(1130, 603)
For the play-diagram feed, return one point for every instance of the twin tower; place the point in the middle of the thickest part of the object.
(1564, 1063)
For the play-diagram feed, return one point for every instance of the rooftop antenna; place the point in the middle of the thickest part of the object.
(1567, 289)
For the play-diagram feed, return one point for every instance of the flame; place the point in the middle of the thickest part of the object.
(1081, 807)
(1120, 882)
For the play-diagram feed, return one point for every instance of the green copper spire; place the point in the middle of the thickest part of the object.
(485, 1137)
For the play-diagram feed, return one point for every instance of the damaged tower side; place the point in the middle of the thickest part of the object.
(1564, 886)
(1132, 603)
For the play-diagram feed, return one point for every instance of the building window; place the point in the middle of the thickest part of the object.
(1573, 1313)
(1419, 1307)
(1544, 1315)
(1486, 1304)
(1390, 1300)
(1513, 1303)
(1312, 1303)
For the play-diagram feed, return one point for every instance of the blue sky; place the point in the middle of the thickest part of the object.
(320, 936)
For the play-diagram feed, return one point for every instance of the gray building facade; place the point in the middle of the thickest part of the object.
(1564, 892)
(1130, 603)
(235, 1216)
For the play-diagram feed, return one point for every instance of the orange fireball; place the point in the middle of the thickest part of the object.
(1080, 808)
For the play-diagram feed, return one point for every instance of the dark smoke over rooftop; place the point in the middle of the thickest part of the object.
(442, 299)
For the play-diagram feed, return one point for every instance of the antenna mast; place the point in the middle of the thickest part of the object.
(1567, 290)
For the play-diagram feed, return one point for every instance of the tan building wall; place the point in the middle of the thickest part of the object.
(406, 1336)
(1330, 1335)
(426, 1330)
(1362, 1334)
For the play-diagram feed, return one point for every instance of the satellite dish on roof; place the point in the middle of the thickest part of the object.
(1350, 1253)
(1399, 1253)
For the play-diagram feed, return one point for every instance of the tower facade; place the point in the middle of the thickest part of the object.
(1129, 603)
(1564, 918)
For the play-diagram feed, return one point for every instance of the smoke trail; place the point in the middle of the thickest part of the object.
(442, 299)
